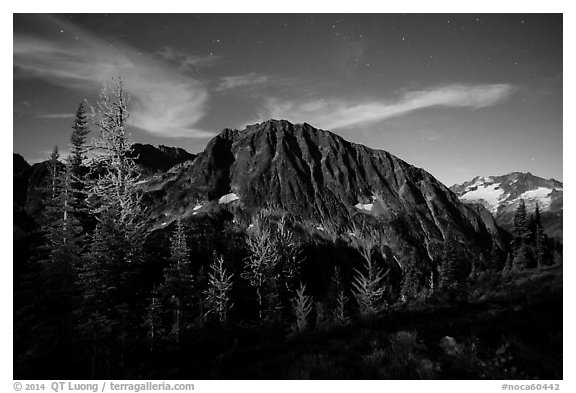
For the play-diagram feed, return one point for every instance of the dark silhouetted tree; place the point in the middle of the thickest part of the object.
(416, 280)
(454, 269)
(496, 261)
(178, 293)
(78, 168)
(338, 300)
(521, 230)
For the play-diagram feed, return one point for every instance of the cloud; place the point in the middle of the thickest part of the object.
(56, 116)
(164, 101)
(242, 81)
(342, 113)
(429, 136)
(186, 61)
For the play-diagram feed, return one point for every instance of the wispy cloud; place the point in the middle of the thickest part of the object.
(164, 101)
(242, 81)
(186, 61)
(56, 116)
(342, 113)
(429, 136)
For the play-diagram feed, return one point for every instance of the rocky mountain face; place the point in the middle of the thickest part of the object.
(501, 195)
(323, 180)
(161, 158)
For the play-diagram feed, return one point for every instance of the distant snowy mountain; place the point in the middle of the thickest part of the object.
(501, 195)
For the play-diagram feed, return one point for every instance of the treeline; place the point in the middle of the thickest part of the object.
(94, 303)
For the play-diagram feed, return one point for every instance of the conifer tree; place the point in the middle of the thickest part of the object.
(495, 262)
(153, 320)
(521, 230)
(523, 258)
(509, 263)
(61, 230)
(78, 145)
(540, 248)
(218, 295)
(115, 251)
(262, 264)
(415, 281)
(56, 260)
(302, 307)
(338, 299)
(178, 288)
(77, 161)
(454, 269)
(289, 255)
(369, 288)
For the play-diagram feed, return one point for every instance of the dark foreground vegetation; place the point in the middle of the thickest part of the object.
(511, 330)
(102, 291)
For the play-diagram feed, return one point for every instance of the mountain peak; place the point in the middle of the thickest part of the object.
(320, 177)
(501, 195)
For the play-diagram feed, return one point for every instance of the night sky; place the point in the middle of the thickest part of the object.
(458, 95)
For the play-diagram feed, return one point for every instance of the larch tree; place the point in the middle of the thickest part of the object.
(289, 253)
(302, 307)
(115, 249)
(369, 285)
(338, 300)
(261, 265)
(218, 297)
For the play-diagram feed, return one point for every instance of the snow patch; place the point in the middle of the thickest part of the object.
(197, 207)
(228, 198)
(491, 194)
(364, 206)
(481, 181)
(541, 194)
(142, 182)
(320, 227)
